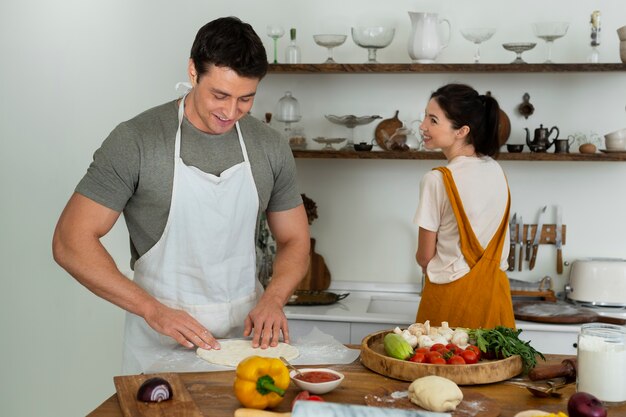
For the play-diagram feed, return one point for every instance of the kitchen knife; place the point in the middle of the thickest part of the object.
(538, 230)
(305, 408)
(559, 241)
(512, 243)
(520, 240)
(528, 242)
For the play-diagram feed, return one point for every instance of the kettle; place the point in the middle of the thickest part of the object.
(541, 141)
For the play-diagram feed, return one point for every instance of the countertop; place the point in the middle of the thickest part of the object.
(394, 304)
(213, 393)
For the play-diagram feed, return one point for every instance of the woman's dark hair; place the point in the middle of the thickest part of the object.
(229, 42)
(463, 106)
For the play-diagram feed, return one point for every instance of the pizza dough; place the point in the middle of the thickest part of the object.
(435, 393)
(234, 351)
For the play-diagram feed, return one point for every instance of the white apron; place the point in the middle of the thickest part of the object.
(204, 263)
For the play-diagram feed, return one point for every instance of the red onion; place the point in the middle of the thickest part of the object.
(583, 404)
(155, 390)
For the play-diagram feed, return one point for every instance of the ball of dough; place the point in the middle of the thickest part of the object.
(435, 393)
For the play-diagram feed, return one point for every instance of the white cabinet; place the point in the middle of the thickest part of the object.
(344, 332)
(551, 339)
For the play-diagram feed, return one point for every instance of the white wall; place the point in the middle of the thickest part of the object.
(71, 70)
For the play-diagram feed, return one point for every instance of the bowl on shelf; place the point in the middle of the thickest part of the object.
(514, 147)
(363, 146)
(615, 141)
(317, 380)
(373, 38)
(519, 48)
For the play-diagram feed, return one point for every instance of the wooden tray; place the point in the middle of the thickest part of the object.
(484, 372)
(180, 405)
(474, 404)
(559, 313)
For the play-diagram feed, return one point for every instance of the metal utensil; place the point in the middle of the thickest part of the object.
(520, 240)
(559, 240)
(290, 366)
(512, 243)
(538, 230)
(550, 391)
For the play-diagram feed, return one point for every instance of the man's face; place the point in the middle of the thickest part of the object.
(219, 99)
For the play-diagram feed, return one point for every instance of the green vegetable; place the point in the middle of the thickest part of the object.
(503, 342)
(397, 347)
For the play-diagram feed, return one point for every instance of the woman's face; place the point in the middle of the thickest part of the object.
(437, 130)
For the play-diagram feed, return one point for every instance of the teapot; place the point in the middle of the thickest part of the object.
(404, 138)
(541, 141)
(424, 41)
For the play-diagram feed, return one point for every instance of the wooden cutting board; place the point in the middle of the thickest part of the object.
(484, 372)
(474, 404)
(180, 405)
(317, 277)
(559, 313)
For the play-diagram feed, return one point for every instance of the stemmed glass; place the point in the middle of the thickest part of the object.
(275, 32)
(329, 42)
(549, 32)
(518, 48)
(477, 36)
(373, 38)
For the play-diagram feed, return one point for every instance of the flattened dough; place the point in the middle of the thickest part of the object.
(435, 393)
(234, 351)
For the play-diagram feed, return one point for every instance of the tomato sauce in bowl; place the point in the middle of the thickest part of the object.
(316, 377)
(317, 380)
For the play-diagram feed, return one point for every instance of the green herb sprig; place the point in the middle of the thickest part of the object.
(503, 342)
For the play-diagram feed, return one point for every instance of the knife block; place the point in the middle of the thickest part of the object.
(548, 233)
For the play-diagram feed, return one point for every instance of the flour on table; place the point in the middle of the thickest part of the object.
(234, 351)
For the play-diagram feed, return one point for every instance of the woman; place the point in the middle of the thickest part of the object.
(463, 213)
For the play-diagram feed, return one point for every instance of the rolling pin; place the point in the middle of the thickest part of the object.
(566, 369)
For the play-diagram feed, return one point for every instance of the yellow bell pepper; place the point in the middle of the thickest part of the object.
(261, 382)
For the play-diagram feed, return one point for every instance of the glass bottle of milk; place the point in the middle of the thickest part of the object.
(602, 361)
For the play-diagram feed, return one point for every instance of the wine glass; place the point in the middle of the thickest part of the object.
(549, 32)
(373, 38)
(275, 32)
(518, 48)
(329, 42)
(477, 36)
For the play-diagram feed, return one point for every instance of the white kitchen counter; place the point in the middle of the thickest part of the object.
(376, 306)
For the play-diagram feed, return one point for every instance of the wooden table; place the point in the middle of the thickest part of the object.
(213, 393)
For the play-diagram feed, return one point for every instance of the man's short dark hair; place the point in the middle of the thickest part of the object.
(229, 42)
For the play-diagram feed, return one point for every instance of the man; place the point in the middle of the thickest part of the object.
(191, 177)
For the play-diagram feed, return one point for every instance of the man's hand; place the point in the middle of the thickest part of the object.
(180, 326)
(265, 322)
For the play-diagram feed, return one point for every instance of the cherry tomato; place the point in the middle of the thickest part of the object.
(474, 349)
(438, 361)
(453, 348)
(433, 355)
(456, 360)
(423, 350)
(437, 346)
(418, 357)
(469, 356)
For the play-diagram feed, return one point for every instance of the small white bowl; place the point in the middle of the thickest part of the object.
(615, 141)
(317, 387)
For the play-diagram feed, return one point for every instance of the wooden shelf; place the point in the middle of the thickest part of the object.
(427, 155)
(440, 68)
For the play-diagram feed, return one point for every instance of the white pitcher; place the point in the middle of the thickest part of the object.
(424, 41)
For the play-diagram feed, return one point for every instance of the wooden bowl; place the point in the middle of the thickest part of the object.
(484, 372)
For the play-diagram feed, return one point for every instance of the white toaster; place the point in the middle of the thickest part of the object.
(598, 281)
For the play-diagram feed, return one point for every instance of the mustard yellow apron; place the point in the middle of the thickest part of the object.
(482, 297)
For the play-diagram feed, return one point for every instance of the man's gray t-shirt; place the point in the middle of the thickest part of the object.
(133, 170)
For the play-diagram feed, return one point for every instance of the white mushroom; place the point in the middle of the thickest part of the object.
(397, 330)
(411, 339)
(425, 341)
(416, 329)
(460, 338)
